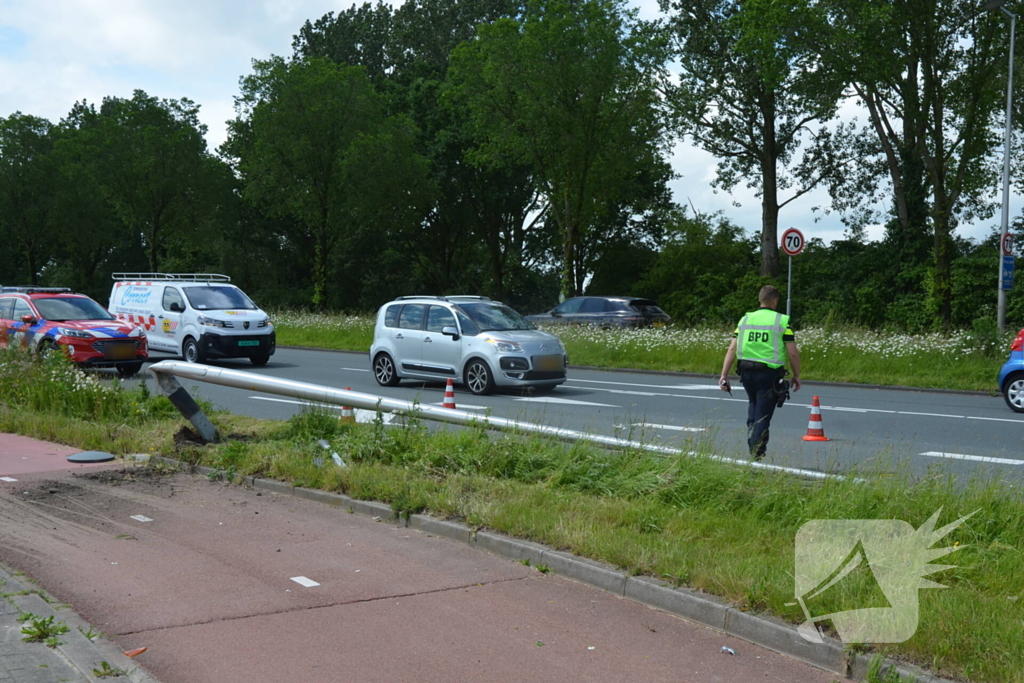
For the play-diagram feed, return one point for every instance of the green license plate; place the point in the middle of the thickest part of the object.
(251, 342)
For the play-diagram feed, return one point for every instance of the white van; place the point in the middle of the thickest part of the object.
(198, 316)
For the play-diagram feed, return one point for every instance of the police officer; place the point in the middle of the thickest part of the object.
(758, 343)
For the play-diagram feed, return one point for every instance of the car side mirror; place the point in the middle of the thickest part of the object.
(555, 313)
(28, 319)
(176, 307)
(450, 332)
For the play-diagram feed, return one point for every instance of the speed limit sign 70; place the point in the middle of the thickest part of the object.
(1007, 243)
(792, 242)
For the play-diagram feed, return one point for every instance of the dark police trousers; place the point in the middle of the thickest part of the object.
(760, 387)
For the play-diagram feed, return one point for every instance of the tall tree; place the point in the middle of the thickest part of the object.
(477, 212)
(27, 196)
(311, 142)
(927, 72)
(568, 88)
(150, 160)
(751, 92)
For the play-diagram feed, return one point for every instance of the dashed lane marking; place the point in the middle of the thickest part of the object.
(356, 369)
(563, 401)
(461, 406)
(303, 581)
(975, 458)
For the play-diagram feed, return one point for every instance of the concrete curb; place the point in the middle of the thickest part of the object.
(674, 373)
(762, 630)
(83, 654)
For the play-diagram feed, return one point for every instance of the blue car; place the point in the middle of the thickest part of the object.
(1011, 377)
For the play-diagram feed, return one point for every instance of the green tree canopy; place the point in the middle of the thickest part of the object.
(567, 88)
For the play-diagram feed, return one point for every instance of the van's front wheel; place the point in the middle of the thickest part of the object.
(259, 361)
(191, 352)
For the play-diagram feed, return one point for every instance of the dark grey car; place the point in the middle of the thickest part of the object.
(605, 311)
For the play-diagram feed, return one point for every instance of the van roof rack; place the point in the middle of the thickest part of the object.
(175, 277)
(472, 297)
(32, 289)
(420, 296)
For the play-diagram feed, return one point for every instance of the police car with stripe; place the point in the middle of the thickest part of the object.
(198, 316)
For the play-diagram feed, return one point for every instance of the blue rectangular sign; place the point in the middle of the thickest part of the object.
(1006, 278)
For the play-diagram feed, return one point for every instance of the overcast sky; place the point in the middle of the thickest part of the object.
(55, 52)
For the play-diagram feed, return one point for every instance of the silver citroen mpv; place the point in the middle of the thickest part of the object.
(481, 343)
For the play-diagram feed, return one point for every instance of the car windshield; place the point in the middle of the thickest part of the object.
(495, 317)
(60, 309)
(218, 299)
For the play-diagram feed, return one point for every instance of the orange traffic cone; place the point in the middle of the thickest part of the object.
(348, 416)
(814, 429)
(449, 395)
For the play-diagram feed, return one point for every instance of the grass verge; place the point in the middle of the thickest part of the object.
(834, 353)
(690, 521)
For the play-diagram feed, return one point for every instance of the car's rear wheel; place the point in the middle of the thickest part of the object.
(479, 378)
(191, 352)
(1013, 392)
(384, 370)
(129, 369)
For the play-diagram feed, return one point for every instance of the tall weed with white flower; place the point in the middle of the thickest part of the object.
(56, 385)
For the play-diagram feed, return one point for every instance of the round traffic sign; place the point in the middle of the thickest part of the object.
(1007, 244)
(793, 242)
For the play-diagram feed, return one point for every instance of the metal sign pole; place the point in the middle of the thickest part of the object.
(789, 287)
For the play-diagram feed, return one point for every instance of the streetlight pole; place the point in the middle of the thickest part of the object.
(989, 6)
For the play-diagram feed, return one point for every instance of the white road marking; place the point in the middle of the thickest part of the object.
(674, 428)
(791, 404)
(624, 384)
(356, 369)
(461, 406)
(564, 401)
(907, 412)
(697, 387)
(141, 518)
(364, 416)
(655, 393)
(976, 458)
(994, 419)
(7, 479)
(303, 581)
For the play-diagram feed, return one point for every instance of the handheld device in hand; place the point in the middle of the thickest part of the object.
(782, 391)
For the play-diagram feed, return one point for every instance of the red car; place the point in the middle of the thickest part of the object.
(45, 319)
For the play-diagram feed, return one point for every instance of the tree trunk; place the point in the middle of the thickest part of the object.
(568, 253)
(769, 190)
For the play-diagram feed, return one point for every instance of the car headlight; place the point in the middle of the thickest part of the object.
(209, 322)
(70, 332)
(506, 346)
(137, 332)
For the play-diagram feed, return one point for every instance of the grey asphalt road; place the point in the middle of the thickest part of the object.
(922, 431)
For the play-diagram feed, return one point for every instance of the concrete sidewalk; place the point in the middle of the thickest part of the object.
(224, 583)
